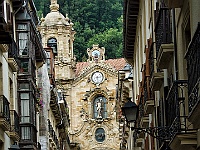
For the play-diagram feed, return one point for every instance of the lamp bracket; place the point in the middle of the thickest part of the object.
(160, 133)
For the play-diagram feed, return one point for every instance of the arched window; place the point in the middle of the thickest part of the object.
(100, 107)
(52, 42)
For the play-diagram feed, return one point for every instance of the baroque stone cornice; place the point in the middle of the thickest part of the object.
(102, 66)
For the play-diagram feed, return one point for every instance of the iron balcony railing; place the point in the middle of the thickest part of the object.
(193, 69)
(163, 31)
(151, 60)
(13, 51)
(176, 116)
(4, 108)
(14, 121)
(140, 114)
(53, 134)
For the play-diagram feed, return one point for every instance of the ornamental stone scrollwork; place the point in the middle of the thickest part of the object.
(84, 115)
(96, 54)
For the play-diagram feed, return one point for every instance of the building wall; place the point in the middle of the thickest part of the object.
(170, 73)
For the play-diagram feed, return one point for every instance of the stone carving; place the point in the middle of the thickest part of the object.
(99, 108)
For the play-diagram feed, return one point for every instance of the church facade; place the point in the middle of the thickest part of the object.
(89, 88)
(93, 102)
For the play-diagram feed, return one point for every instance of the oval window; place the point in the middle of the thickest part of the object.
(100, 135)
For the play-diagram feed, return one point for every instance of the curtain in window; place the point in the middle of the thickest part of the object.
(23, 39)
(23, 43)
(25, 114)
(25, 133)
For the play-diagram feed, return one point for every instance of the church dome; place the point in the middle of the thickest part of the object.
(54, 17)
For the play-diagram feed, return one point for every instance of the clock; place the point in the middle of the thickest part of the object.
(97, 77)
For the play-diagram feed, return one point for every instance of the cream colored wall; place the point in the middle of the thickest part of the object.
(6, 75)
(145, 27)
(144, 32)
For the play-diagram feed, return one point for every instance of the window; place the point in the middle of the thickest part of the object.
(25, 114)
(49, 62)
(24, 66)
(23, 39)
(99, 107)
(25, 133)
(100, 135)
(24, 86)
(52, 42)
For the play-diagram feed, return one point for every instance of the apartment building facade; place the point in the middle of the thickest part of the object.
(161, 43)
(57, 39)
(33, 112)
(9, 118)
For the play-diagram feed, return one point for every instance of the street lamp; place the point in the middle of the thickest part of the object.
(130, 111)
(15, 146)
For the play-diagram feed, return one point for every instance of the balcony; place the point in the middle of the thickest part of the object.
(139, 142)
(149, 106)
(12, 56)
(145, 121)
(14, 130)
(4, 31)
(54, 104)
(4, 113)
(178, 133)
(52, 136)
(157, 80)
(39, 51)
(164, 55)
(181, 138)
(163, 32)
(193, 70)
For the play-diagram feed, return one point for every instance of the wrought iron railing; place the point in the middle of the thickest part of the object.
(14, 121)
(176, 121)
(4, 108)
(145, 90)
(177, 126)
(193, 69)
(53, 134)
(194, 97)
(141, 114)
(151, 60)
(13, 51)
(163, 31)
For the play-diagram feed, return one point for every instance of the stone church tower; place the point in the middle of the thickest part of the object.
(58, 33)
(89, 87)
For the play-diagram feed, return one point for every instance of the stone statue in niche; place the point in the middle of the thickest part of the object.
(99, 108)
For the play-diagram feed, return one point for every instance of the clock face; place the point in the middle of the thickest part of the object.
(97, 77)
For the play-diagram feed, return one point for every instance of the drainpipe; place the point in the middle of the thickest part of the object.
(175, 45)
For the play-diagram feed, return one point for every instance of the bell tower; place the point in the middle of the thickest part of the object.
(58, 33)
